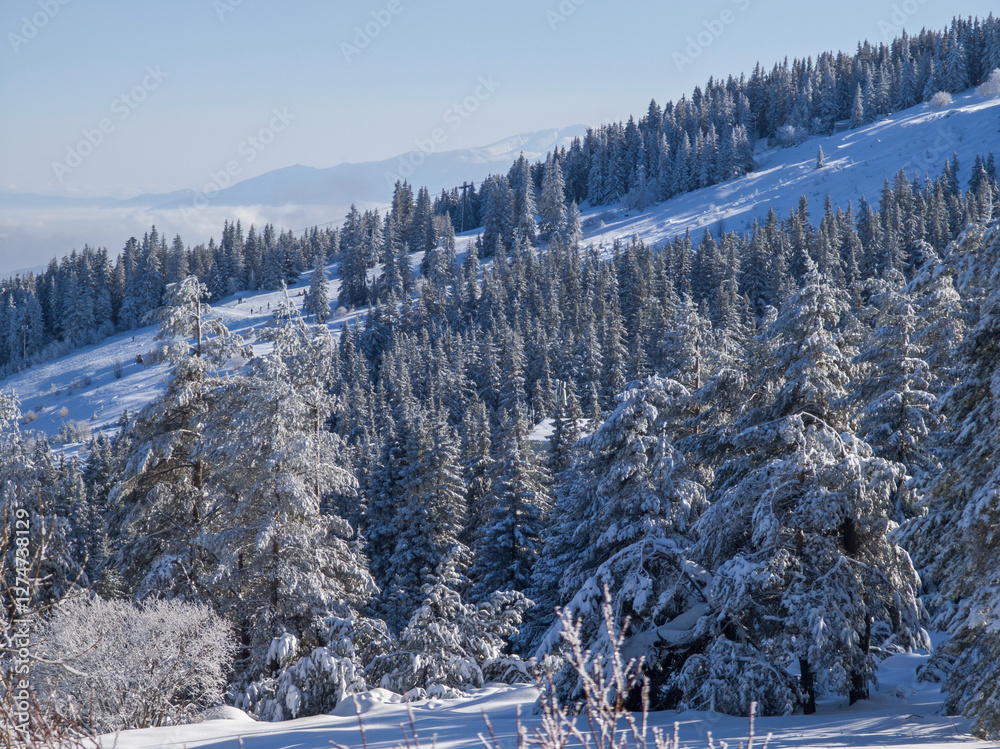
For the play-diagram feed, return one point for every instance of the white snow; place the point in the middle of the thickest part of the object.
(543, 431)
(901, 713)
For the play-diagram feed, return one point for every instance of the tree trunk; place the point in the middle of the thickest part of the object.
(849, 535)
(808, 686)
(859, 680)
(274, 579)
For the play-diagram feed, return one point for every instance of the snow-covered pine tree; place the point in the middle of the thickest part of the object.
(281, 560)
(523, 208)
(499, 220)
(318, 303)
(448, 643)
(955, 544)
(40, 564)
(552, 204)
(896, 405)
(624, 528)
(517, 505)
(430, 515)
(355, 260)
(812, 361)
(477, 463)
(805, 565)
(159, 501)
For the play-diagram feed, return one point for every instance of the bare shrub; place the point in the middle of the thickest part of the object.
(25, 724)
(114, 666)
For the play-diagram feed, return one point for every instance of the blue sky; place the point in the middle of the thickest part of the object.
(120, 97)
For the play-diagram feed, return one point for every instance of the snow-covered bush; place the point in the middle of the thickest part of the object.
(940, 100)
(302, 681)
(25, 724)
(449, 642)
(728, 677)
(305, 684)
(73, 431)
(118, 666)
(991, 87)
(789, 135)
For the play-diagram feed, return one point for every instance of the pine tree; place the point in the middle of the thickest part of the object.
(552, 206)
(624, 525)
(159, 501)
(318, 303)
(804, 563)
(282, 560)
(895, 401)
(355, 260)
(812, 362)
(858, 109)
(955, 543)
(431, 513)
(499, 220)
(449, 643)
(518, 504)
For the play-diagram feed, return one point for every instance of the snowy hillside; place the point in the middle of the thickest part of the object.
(88, 390)
(83, 388)
(917, 140)
(903, 713)
(857, 163)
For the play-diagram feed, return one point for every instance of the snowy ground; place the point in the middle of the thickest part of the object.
(902, 713)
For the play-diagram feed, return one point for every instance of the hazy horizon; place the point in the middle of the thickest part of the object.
(122, 99)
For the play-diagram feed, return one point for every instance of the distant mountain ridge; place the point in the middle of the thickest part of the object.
(372, 181)
(290, 197)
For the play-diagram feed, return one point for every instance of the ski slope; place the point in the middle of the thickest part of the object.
(901, 713)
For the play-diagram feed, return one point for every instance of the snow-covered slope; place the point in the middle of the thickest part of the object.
(858, 162)
(84, 386)
(902, 713)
